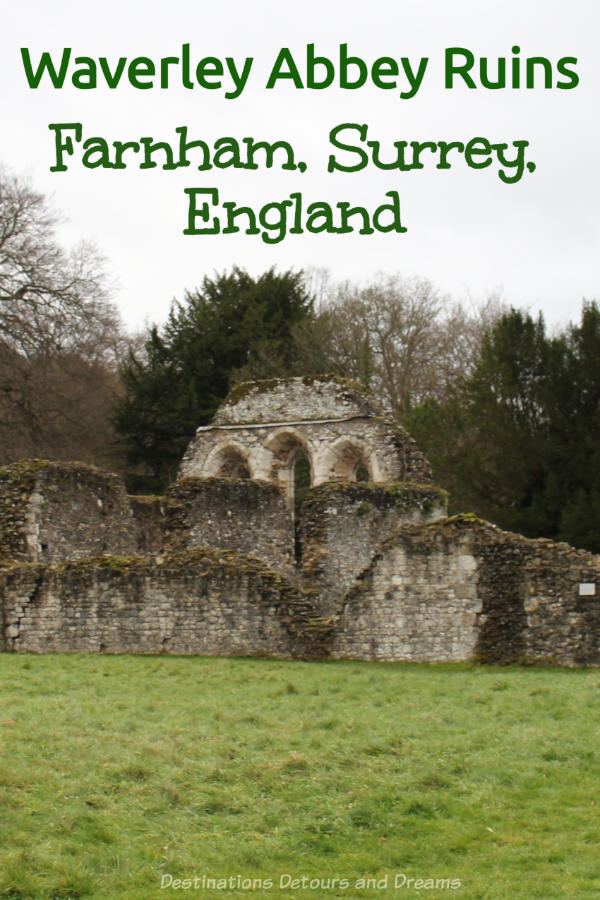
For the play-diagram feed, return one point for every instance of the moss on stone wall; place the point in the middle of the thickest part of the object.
(17, 481)
(123, 596)
(24, 472)
(222, 580)
(256, 388)
(530, 611)
(365, 497)
(50, 510)
(342, 525)
(249, 517)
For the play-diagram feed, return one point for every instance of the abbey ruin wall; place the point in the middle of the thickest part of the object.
(207, 512)
(230, 563)
(53, 511)
(264, 428)
(448, 591)
(211, 604)
(462, 589)
(343, 525)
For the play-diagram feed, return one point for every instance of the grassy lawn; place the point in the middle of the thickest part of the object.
(116, 772)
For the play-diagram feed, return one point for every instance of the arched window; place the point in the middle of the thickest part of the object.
(347, 460)
(238, 470)
(290, 464)
(227, 462)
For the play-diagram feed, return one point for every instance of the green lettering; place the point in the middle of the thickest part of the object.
(239, 78)
(278, 226)
(141, 67)
(150, 147)
(112, 79)
(518, 163)
(346, 61)
(346, 210)
(233, 211)
(382, 67)
(96, 154)
(202, 213)
(227, 154)
(284, 57)
(415, 78)
(451, 68)
(316, 212)
(185, 145)
(269, 151)
(120, 148)
(209, 67)
(311, 62)
(573, 77)
(67, 145)
(472, 150)
(394, 209)
(85, 78)
(332, 164)
(164, 69)
(56, 77)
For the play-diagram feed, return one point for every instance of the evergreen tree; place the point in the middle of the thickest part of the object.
(518, 440)
(187, 366)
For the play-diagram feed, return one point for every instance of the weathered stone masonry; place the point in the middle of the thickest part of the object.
(264, 428)
(460, 589)
(55, 511)
(190, 603)
(371, 569)
(207, 512)
(344, 524)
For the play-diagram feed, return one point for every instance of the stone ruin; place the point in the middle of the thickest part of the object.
(229, 562)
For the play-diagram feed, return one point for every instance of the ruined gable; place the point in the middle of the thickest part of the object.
(264, 428)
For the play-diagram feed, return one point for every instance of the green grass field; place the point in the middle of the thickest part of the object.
(117, 772)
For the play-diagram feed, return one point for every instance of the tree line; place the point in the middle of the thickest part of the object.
(507, 412)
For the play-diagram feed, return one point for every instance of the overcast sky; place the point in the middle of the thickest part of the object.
(535, 241)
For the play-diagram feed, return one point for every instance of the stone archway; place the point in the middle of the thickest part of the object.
(289, 458)
(347, 460)
(227, 461)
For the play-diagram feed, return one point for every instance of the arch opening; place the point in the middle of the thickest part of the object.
(288, 450)
(349, 462)
(228, 462)
(302, 480)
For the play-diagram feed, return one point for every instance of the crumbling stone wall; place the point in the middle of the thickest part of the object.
(454, 589)
(53, 511)
(380, 574)
(461, 589)
(249, 517)
(289, 399)
(149, 516)
(343, 525)
(199, 602)
(560, 590)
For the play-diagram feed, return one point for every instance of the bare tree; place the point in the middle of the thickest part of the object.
(60, 336)
(398, 336)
